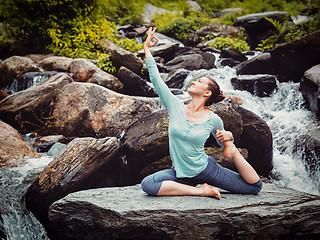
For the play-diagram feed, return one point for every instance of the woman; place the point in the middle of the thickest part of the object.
(189, 128)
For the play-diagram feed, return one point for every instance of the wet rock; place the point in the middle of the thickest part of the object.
(309, 86)
(56, 149)
(176, 78)
(260, 64)
(290, 60)
(13, 149)
(234, 54)
(258, 85)
(86, 71)
(86, 109)
(256, 137)
(214, 29)
(258, 27)
(31, 109)
(118, 213)
(43, 144)
(134, 84)
(121, 57)
(83, 164)
(192, 61)
(228, 62)
(13, 67)
(55, 63)
(309, 145)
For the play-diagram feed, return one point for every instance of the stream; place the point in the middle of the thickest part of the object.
(283, 111)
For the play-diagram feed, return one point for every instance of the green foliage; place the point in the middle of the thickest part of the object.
(228, 42)
(228, 19)
(268, 43)
(122, 11)
(30, 19)
(105, 64)
(126, 43)
(303, 28)
(179, 27)
(81, 40)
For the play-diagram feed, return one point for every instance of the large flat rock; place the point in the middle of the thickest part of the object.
(128, 213)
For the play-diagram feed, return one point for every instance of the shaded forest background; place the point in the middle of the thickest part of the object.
(72, 28)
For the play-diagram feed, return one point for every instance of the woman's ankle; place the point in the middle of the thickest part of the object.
(229, 149)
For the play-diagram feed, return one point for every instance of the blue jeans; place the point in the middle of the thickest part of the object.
(214, 174)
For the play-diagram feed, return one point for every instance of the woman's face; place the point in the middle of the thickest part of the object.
(199, 86)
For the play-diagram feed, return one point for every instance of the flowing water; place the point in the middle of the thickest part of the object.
(17, 221)
(283, 111)
(288, 120)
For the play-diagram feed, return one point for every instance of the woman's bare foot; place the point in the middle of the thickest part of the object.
(229, 149)
(207, 191)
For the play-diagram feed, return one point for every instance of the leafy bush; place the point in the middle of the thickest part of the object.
(228, 42)
(126, 43)
(105, 64)
(81, 40)
(303, 28)
(28, 20)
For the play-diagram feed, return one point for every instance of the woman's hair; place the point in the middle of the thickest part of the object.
(217, 94)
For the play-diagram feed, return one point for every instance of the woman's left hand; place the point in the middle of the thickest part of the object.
(224, 136)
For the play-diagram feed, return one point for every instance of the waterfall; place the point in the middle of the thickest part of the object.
(18, 223)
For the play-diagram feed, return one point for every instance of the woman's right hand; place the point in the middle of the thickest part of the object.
(149, 43)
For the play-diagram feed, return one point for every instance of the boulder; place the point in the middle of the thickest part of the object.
(86, 71)
(194, 6)
(214, 29)
(134, 84)
(309, 145)
(86, 109)
(176, 78)
(146, 141)
(31, 109)
(13, 67)
(291, 59)
(234, 54)
(83, 164)
(43, 144)
(121, 57)
(258, 27)
(55, 63)
(166, 51)
(13, 149)
(310, 89)
(38, 57)
(192, 61)
(127, 213)
(150, 11)
(260, 64)
(256, 137)
(258, 85)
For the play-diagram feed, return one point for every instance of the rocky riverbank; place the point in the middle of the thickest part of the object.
(114, 131)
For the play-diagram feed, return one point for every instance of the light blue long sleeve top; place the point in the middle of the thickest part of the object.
(186, 141)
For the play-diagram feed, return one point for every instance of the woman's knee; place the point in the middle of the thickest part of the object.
(258, 187)
(149, 186)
